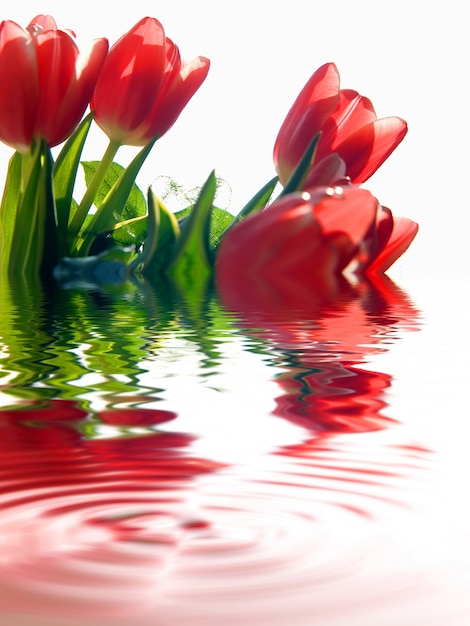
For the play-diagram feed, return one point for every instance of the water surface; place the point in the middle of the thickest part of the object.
(264, 457)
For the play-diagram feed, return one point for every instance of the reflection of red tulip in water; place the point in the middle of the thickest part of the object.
(54, 428)
(324, 335)
(90, 521)
(144, 85)
(348, 124)
(333, 398)
(311, 238)
(46, 84)
(37, 425)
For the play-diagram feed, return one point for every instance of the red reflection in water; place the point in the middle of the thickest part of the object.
(54, 429)
(101, 528)
(326, 336)
(136, 417)
(69, 506)
(36, 425)
(336, 399)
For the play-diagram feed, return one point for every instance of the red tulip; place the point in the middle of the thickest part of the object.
(309, 238)
(45, 82)
(348, 124)
(144, 85)
(403, 232)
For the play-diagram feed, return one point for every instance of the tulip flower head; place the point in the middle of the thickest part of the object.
(45, 82)
(348, 125)
(144, 85)
(307, 237)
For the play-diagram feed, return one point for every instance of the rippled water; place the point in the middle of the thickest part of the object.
(260, 457)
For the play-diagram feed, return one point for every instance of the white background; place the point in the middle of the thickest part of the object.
(410, 58)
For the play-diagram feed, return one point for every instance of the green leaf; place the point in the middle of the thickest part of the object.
(65, 175)
(28, 228)
(182, 214)
(123, 234)
(219, 222)
(9, 208)
(131, 232)
(259, 200)
(297, 179)
(25, 256)
(112, 207)
(192, 260)
(134, 206)
(257, 203)
(162, 233)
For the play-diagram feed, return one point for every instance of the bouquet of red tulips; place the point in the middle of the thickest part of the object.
(322, 222)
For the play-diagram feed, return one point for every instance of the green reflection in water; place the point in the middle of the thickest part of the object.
(88, 344)
(115, 348)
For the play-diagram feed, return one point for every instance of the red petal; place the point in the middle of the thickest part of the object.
(181, 82)
(56, 56)
(307, 116)
(384, 227)
(366, 149)
(41, 23)
(352, 113)
(322, 85)
(79, 91)
(375, 240)
(292, 141)
(404, 231)
(283, 242)
(346, 219)
(130, 79)
(328, 171)
(19, 81)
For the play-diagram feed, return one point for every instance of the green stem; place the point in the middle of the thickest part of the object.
(49, 231)
(22, 260)
(27, 164)
(93, 188)
(113, 204)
